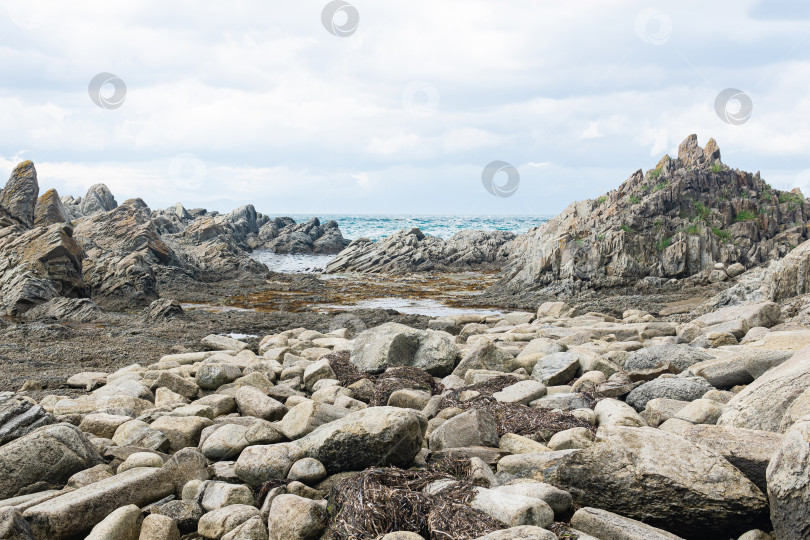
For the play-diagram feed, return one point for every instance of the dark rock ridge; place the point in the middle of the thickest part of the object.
(677, 220)
(412, 250)
(52, 247)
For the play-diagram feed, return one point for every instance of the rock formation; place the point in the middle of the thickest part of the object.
(411, 250)
(674, 221)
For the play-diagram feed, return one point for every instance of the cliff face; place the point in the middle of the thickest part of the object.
(674, 221)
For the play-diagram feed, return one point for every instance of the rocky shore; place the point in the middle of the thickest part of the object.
(645, 373)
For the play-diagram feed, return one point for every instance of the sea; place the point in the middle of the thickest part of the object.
(377, 227)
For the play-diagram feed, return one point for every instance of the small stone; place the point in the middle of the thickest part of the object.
(141, 459)
(296, 518)
(121, 524)
(307, 470)
(158, 527)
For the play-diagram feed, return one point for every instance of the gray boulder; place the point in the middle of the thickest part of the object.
(763, 403)
(661, 479)
(556, 368)
(680, 356)
(50, 454)
(610, 526)
(377, 436)
(472, 428)
(680, 388)
(394, 344)
(19, 417)
(788, 486)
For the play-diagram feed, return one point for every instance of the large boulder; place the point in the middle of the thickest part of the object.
(680, 356)
(50, 454)
(394, 344)
(19, 197)
(766, 314)
(763, 403)
(19, 417)
(662, 479)
(680, 388)
(789, 483)
(377, 436)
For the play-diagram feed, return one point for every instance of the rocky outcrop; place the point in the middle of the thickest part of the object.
(37, 265)
(122, 246)
(98, 199)
(674, 221)
(50, 210)
(19, 197)
(411, 250)
(283, 235)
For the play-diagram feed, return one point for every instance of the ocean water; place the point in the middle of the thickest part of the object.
(376, 227)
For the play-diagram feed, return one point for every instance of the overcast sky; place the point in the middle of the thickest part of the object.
(258, 102)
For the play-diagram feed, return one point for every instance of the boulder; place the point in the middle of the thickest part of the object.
(556, 368)
(762, 404)
(765, 314)
(158, 527)
(19, 417)
(486, 356)
(680, 388)
(747, 449)
(788, 477)
(77, 511)
(661, 479)
(377, 436)
(680, 356)
(610, 526)
(51, 454)
(475, 427)
(296, 518)
(122, 524)
(394, 344)
(220, 522)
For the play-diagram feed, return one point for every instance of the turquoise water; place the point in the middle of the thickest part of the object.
(381, 226)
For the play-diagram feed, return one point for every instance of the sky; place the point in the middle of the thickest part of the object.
(316, 107)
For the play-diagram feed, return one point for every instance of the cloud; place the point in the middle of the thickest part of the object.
(290, 117)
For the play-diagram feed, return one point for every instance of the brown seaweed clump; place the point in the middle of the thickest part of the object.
(382, 500)
(534, 423)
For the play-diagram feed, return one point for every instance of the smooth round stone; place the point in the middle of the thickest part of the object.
(307, 470)
(141, 459)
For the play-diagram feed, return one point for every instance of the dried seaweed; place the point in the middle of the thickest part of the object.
(345, 371)
(382, 500)
(563, 531)
(402, 378)
(534, 423)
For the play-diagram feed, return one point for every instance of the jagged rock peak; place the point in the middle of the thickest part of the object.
(99, 199)
(691, 155)
(19, 197)
(49, 210)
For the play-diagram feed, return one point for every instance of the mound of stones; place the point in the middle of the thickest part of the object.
(557, 424)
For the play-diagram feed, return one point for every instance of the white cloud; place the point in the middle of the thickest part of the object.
(286, 115)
